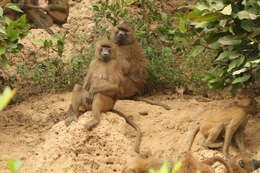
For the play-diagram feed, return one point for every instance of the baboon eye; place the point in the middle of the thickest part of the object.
(132, 170)
(241, 163)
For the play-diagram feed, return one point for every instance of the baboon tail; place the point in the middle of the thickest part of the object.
(153, 103)
(214, 159)
(131, 123)
(192, 137)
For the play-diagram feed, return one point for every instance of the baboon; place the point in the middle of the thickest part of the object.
(101, 88)
(189, 165)
(228, 123)
(133, 63)
(244, 163)
(34, 14)
(58, 10)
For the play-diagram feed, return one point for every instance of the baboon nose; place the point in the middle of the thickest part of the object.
(256, 163)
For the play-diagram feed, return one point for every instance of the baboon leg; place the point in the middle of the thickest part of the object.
(239, 140)
(100, 104)
(229, 132)
(71, 116)
(77, 100)
(214, 133)
(153, 103)
(131, 123)
(239, 136)
(34, 15)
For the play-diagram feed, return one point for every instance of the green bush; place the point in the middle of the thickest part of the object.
(53, 72)
(11, 32)
(230, 29)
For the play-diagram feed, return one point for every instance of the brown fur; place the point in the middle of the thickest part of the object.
(58, 10)
(191, 165)
(100, 90)
(140, 165)
(230, 121)
(188, 165)
(134, 65)
(244, 163)
(35, 15)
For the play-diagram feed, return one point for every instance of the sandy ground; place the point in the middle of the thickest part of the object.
(34, 131)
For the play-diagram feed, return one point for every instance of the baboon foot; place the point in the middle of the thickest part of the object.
(69, 120)
(92, 123)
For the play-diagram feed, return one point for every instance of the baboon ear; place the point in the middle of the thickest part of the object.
(132, 170)
(241, 164)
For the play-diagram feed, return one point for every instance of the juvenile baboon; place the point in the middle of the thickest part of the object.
(244, 163)
(133, 63)
(101, 88)
(188, 165)
(228, 123)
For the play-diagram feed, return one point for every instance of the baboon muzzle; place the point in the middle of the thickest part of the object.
(256, 163)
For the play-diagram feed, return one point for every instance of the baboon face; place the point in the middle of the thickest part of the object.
(250, 104)
(122, 34)
(105, 53)
(105, 50)
(246, 162)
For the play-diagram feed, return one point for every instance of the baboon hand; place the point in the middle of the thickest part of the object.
(90, 96)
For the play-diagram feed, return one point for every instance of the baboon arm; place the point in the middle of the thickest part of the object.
(56, 7)
(103, 89)
(229, 132)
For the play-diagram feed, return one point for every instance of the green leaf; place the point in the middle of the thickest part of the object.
(176, 167)
(236, 63)
(227, 10)
(228, 40)
(223, 55)
(69, 171)
(196, 51)
(152, 171)
(233, 55)
(258, 3)
(246, 15)
(5, 61)
(165, 168)
(2, 29)
(1, 12)
(13, 7)
(182, 26)
(248, 25)
(38, 42)
(2, 50)
(242, 79)
(14, 165)
(12, 32)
